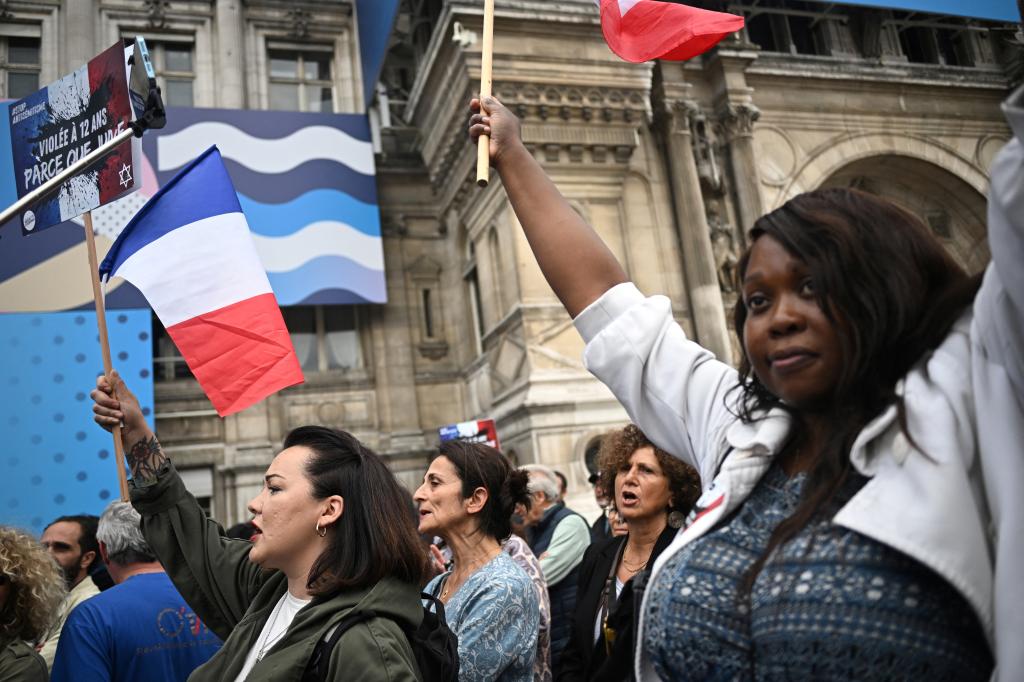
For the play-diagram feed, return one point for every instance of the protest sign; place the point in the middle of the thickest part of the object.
(62, 123)
(476, 431)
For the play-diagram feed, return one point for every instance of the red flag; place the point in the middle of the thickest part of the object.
(642, 30)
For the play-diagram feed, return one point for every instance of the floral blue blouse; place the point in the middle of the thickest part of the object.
(496, 617)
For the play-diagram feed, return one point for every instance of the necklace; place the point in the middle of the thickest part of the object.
(634, 566)
(270, 626)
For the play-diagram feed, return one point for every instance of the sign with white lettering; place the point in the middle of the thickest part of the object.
(58, 125)
(476, 431)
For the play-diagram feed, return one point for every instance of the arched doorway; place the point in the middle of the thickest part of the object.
(952, 208)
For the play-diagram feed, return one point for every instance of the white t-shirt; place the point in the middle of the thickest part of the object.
(597, 621)
(273, 630)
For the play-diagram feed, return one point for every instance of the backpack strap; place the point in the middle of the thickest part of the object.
(434, 604)
(319, 661)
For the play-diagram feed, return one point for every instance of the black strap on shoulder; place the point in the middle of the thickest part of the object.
(434, 604)
(319, 662)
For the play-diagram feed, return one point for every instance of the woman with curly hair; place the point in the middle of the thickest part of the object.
(653, 492)
(31, 591)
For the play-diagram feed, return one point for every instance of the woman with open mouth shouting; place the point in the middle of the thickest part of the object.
(654, 492)
(333, 539)
(468, 496)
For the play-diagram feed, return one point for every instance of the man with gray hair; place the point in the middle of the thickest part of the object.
(559, 537)
(140, 629)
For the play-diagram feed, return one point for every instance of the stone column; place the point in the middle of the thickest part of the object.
(736, 116)
(79, 34)
(737, 125)
(706, 305)
(230, 75)
(394, 369)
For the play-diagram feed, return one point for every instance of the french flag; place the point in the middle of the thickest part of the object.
(642, 30)
(190, 253)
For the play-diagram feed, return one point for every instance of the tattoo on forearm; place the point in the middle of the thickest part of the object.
(145, 459)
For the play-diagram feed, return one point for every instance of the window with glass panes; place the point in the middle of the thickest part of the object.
(300, 80)
(173, 61)
(19, 66)
(168, 364)
(325, 337)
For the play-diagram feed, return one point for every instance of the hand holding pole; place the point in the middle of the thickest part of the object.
(483, 159)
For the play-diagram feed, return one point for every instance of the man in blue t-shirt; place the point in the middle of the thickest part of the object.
(140, 629)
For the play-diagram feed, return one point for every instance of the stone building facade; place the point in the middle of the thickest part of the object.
(670, 162)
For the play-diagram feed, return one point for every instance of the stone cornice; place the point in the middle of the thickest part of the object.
(562, 124)
(875, 74)
(570, 104)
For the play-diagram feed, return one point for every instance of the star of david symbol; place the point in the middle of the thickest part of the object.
(125, 175)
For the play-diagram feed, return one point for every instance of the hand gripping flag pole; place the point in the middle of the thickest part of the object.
(153, 116)
(108, 365)
(483, 157)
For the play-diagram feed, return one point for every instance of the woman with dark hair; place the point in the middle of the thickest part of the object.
(653, 493)
(467, 498)
(31, 592)
(333, 538)
(861, 515)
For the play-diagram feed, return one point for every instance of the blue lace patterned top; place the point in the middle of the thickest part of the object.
(830, 604)
(496, 617)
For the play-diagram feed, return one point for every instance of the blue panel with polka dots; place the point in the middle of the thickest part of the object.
(55, 460)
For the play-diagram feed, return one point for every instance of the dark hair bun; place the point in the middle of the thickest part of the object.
(481, 466)
(515, 491)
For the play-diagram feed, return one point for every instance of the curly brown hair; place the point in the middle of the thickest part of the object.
(619, 445)
(36, 587)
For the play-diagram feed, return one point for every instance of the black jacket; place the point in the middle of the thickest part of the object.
(582, 660)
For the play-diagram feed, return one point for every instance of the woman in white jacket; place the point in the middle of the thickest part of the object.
(862, 471)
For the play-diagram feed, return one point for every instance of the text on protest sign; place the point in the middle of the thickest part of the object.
(55, 127)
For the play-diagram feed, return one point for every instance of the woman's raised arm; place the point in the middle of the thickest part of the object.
(212, 573)
(576, 263)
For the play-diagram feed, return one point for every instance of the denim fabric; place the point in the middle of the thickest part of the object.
(830, 604)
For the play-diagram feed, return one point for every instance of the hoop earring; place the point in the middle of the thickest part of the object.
(322, 532)
(676, 519)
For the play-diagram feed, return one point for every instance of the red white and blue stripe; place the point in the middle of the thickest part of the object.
(189, 251)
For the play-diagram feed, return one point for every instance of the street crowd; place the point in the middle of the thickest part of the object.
(844, 505)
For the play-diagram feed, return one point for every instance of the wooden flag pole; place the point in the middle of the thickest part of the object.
(483, 156)
(101, 321)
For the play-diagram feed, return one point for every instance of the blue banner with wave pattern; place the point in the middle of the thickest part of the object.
(306, 183)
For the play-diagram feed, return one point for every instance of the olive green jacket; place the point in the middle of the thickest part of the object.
(19, 662)
(234, 598)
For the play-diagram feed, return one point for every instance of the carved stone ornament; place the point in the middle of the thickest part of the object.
(433, 350)
(723, 245)
(737, 120)
(681, 113)
(300, 20)
(541, 103)
(156, 12)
